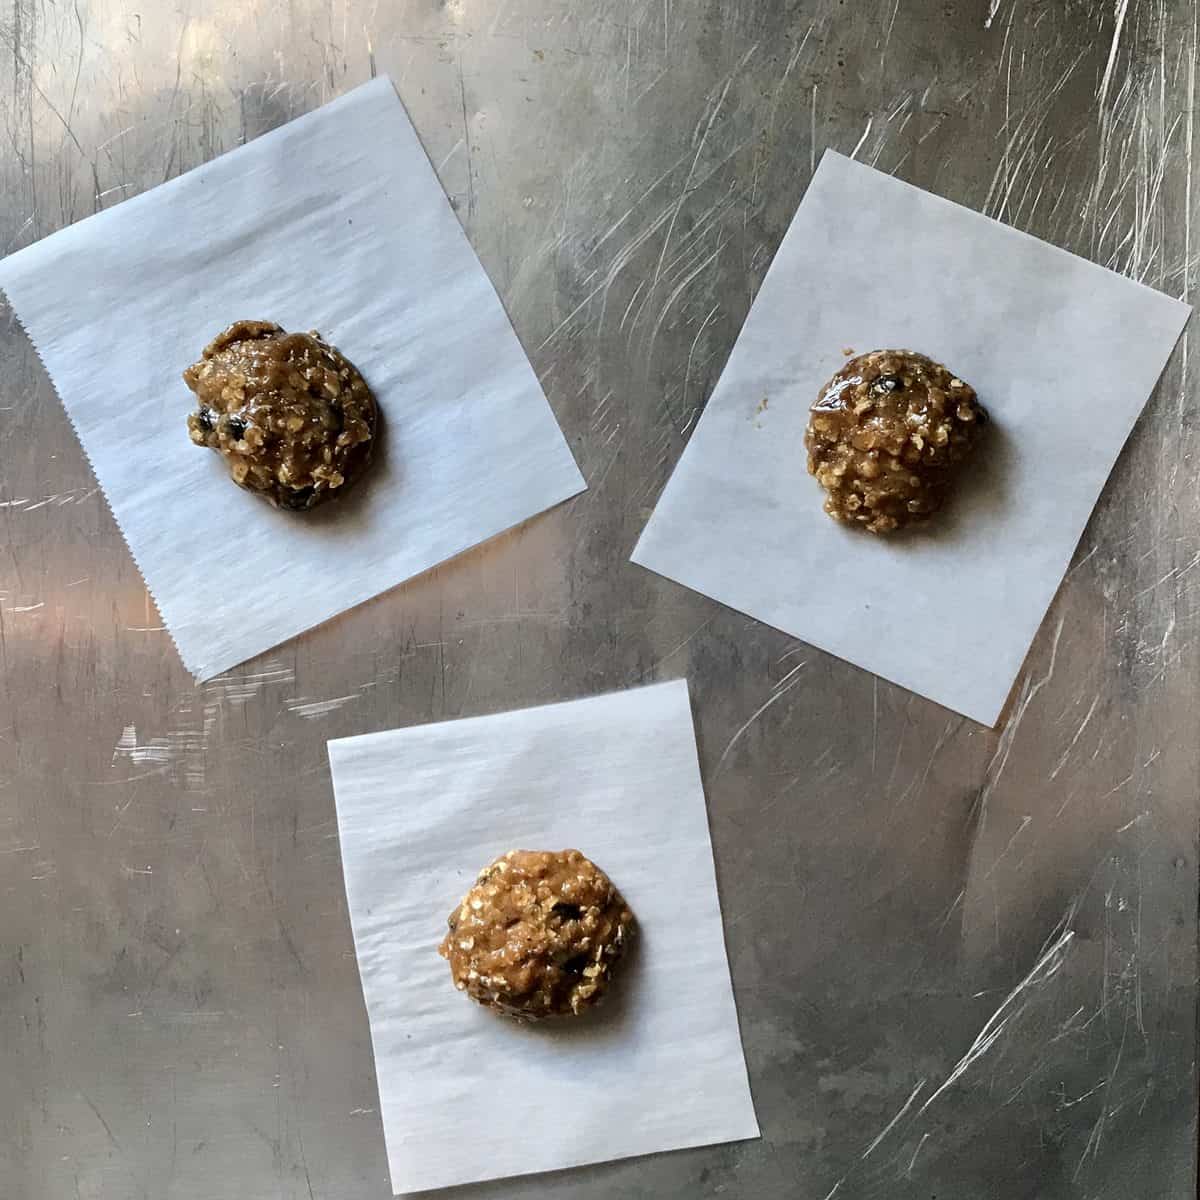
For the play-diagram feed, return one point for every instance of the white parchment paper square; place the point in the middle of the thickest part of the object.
(1064, 355)
(335, 222)
(660, 1065)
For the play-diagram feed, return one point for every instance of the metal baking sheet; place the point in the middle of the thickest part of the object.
(909, 899)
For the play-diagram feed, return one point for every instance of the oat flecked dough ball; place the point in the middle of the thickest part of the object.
(293, 419)
(538, 935)
(887, 436)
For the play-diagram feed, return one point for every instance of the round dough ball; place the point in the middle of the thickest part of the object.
(538, 935)
(293, 419)
(886, 438)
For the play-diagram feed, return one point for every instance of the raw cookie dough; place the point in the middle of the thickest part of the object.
(887, 435)
(538, 935)
(294, 420)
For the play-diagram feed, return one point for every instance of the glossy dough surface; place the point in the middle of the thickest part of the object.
(887, 436)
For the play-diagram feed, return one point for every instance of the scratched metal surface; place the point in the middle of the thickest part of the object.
(965, 962)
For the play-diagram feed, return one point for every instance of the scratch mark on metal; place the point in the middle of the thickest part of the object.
(812, 134)
(1025, 823)
(453, 151)
(687, 375)
(912, 1162)
(676, 649)
(310, 709)
(1066, 754)
(758, 712)
(1122, 10)
(112, 1139)
(1029, 695)
(861, 140)
(1045, 968)
(874, 721)
(896, 1119)
(677, 292)
(887, 41)
(1093, 1142)
(1187, 196)
(1136, 821)
(687, 183)
(628, 212)
(462, 94)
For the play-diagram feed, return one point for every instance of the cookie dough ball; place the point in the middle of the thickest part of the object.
(293, 419)
(538, 935)
(886, 438)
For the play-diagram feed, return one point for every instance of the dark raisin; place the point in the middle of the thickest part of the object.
(568, 912)
(452, 920)
(235, 428)
(297, 499)
(888, 383)
(204, 420)
(575, 964)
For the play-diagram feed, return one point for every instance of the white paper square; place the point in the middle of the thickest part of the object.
(335, 222)
(1063, 353)
(660, 1066)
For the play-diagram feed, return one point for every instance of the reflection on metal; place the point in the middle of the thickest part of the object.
(965, 962)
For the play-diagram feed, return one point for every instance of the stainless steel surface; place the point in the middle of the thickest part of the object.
(965, 961)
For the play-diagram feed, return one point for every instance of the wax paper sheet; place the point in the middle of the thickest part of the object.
(468, 1095)
(1064, 355)
(334, 222)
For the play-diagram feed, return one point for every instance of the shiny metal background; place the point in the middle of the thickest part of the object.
(965, 961)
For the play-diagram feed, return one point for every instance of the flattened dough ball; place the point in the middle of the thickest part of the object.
(538, 935)
(291, 416)
(887, 436)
